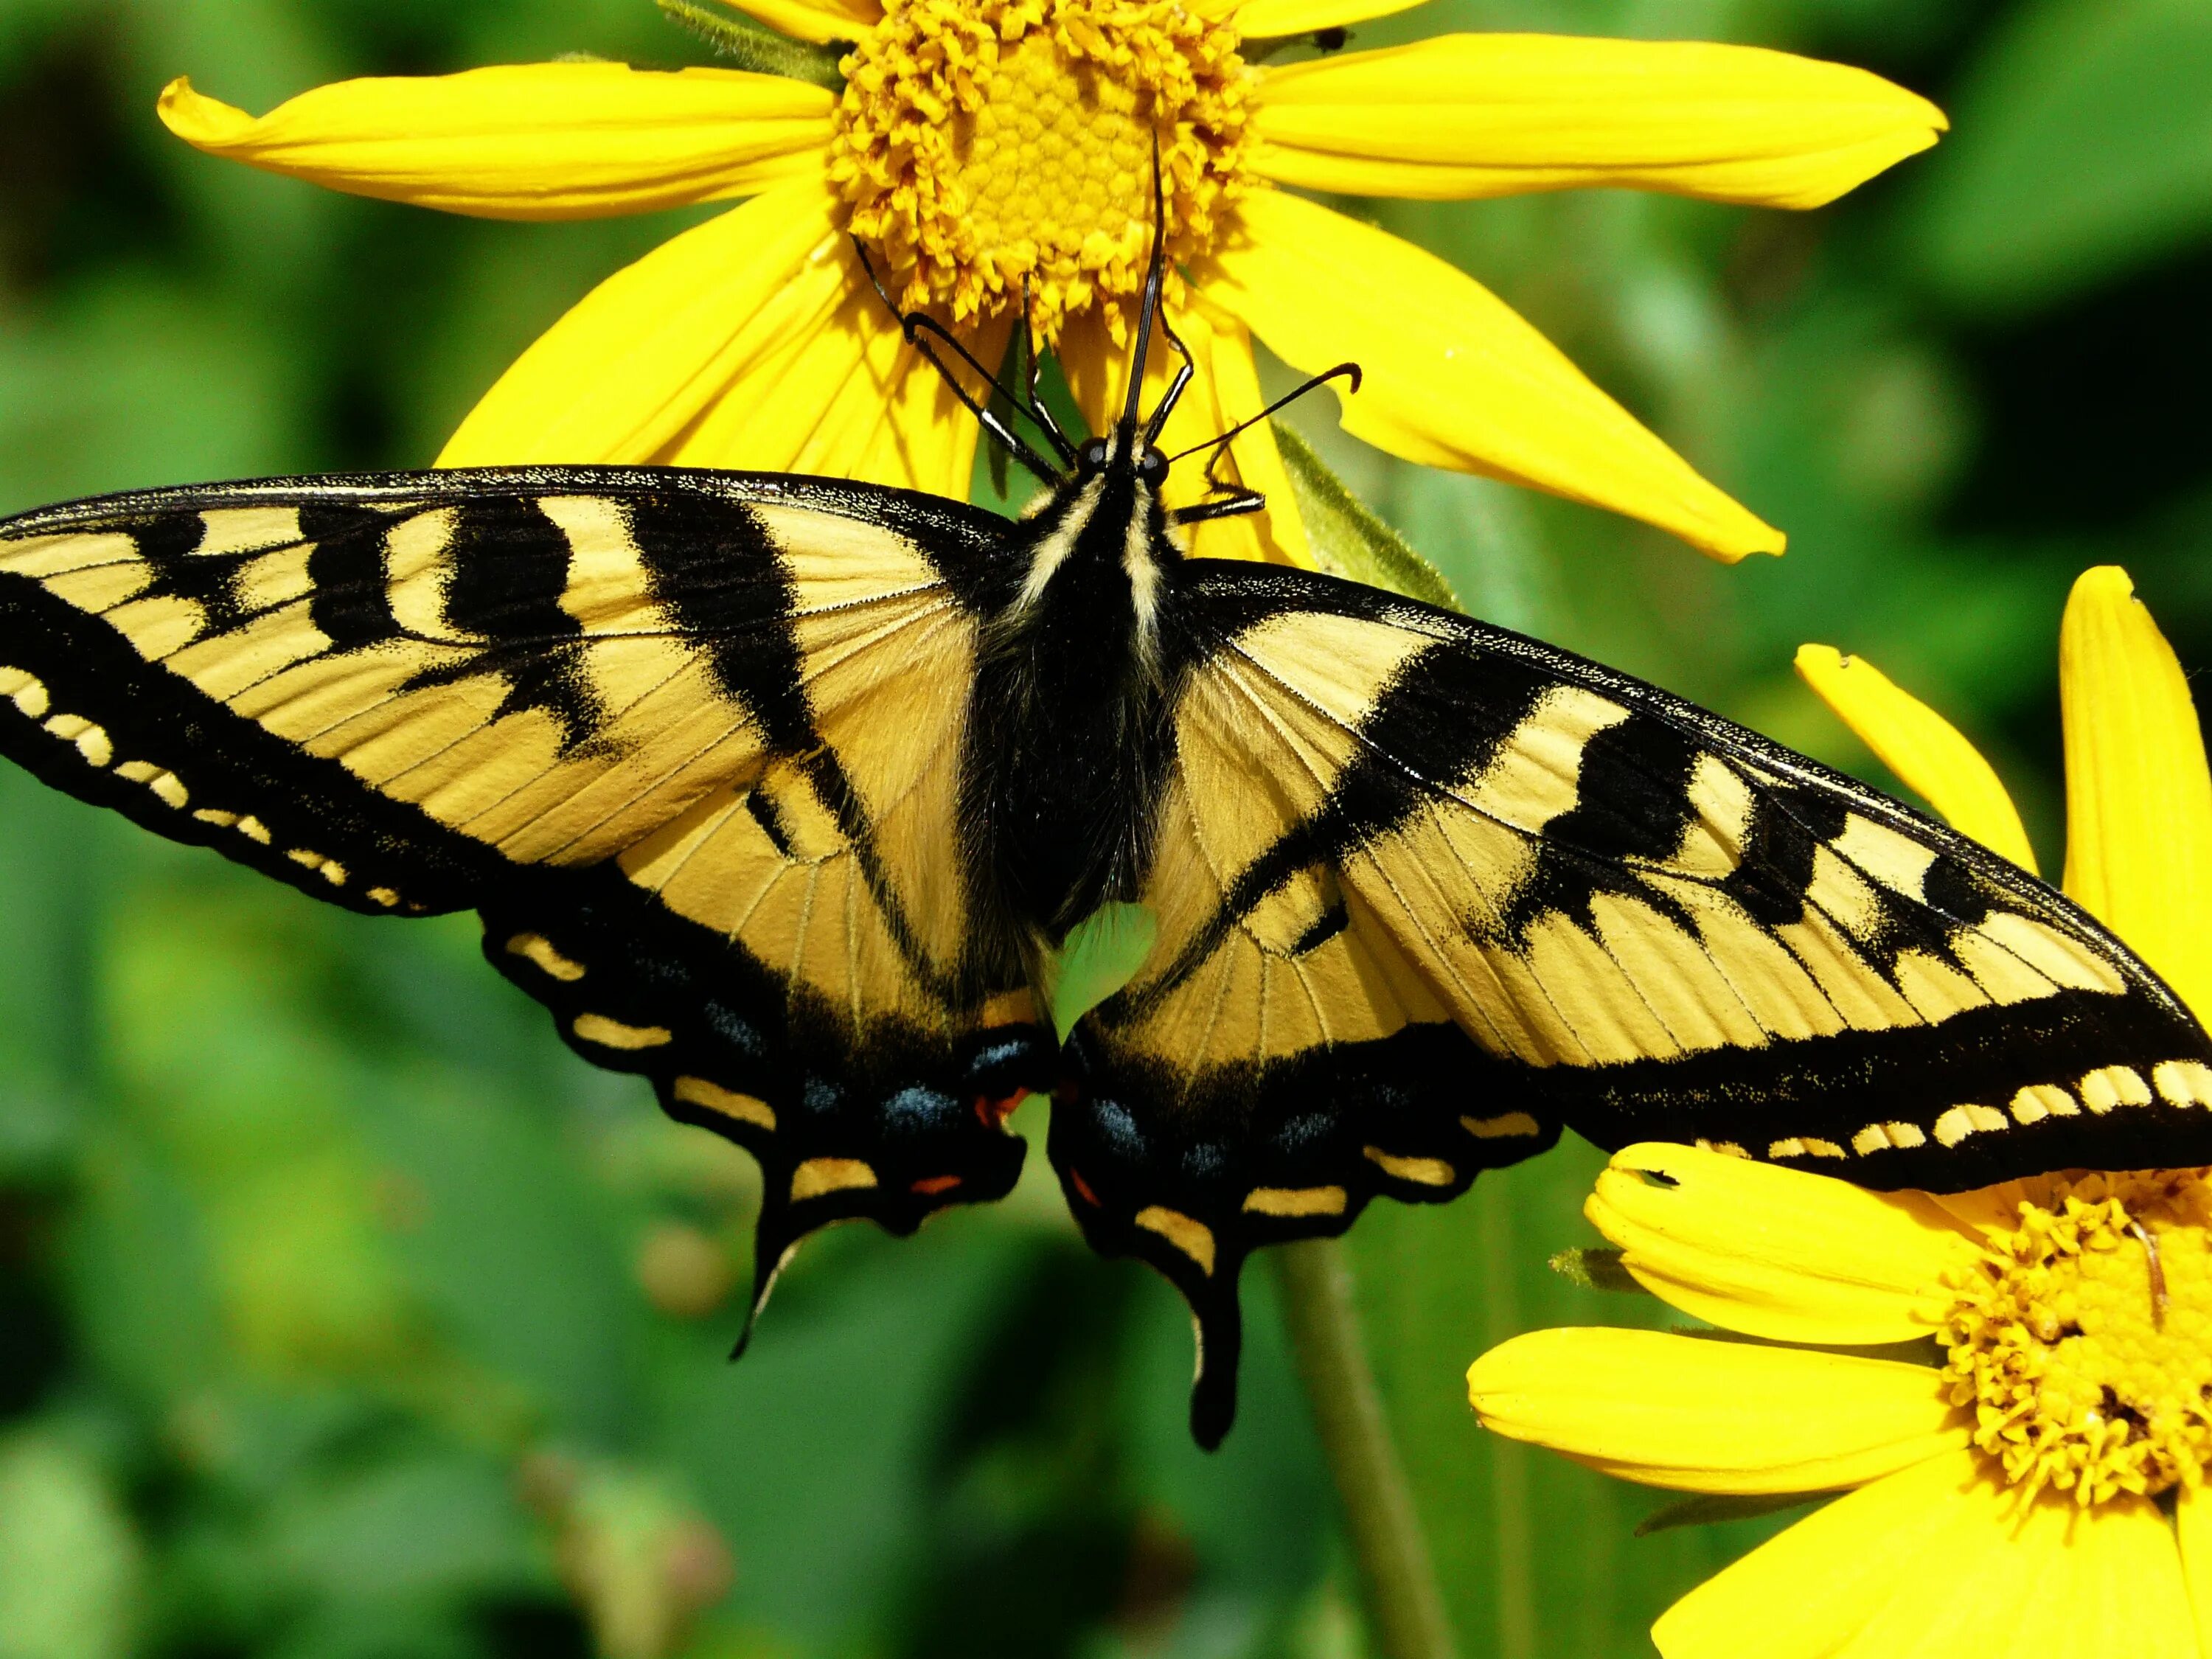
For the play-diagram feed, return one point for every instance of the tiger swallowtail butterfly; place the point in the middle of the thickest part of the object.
(788, 794)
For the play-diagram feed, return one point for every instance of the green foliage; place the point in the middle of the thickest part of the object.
(1707, 1509)
(344, 1314)
(2084, 148)
(1350, 538)
(748, 46)
(70, 1569)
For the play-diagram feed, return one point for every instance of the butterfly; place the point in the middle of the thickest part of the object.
(851, 817)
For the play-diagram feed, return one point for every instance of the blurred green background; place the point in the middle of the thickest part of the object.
(344, 1316)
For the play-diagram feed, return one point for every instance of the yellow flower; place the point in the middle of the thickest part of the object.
(988, 150)
(2031, 1475)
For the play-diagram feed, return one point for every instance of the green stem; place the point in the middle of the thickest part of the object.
(1398, 1580)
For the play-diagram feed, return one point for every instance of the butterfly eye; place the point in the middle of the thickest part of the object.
(1153, 467)
(1093, 458)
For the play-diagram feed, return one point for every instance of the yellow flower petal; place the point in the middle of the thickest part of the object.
(2114, 1590)
(1223, 390)
(527, 141)
(1774, 1252)
(842, 395)
(2105, 1583)
(2138, 798)
(1455, 377)
(1263, 19)
(1935, 1562)
(1708, 1415)
(1221, 348)
(2192, 1526)
(1988, 1210)
(814, 20)
(637, 361)
(1499, 114)
(1929, 755)
(1806, 1593)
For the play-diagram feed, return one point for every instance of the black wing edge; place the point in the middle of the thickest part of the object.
(271, 800)
(927, 518)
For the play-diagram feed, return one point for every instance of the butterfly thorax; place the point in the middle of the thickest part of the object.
(1067, 734)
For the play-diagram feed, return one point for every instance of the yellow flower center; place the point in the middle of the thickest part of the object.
(2083, 1340)
(988, 145)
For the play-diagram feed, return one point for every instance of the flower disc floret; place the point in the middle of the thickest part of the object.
(2082, 1341)
(984, 147)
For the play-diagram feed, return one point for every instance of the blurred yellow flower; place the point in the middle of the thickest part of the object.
(988, 150)
(2040, 1483)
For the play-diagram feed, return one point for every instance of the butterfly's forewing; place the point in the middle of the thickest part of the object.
(1428, 891)
(689, 745)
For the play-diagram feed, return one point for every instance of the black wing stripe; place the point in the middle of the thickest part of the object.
(1378, 790)
(1419, 729)
(350, 603)
(507, 566)
(171, 548)
(721, 578)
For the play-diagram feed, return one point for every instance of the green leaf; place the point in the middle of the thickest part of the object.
(415, 1526)
(2084, 148)
(1709, 1509)
(69, 1561)
(1348, 538)
(1100, 954)
(749, 45)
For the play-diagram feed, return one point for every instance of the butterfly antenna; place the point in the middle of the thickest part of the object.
(1341, 372)
(1236, 500)
(913, 325)
(920, 322)
(1155, 275)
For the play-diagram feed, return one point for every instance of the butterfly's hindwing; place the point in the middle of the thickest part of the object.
(689, 743)
(891, 1116)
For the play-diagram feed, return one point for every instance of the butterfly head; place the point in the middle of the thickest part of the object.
(1128, 447)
